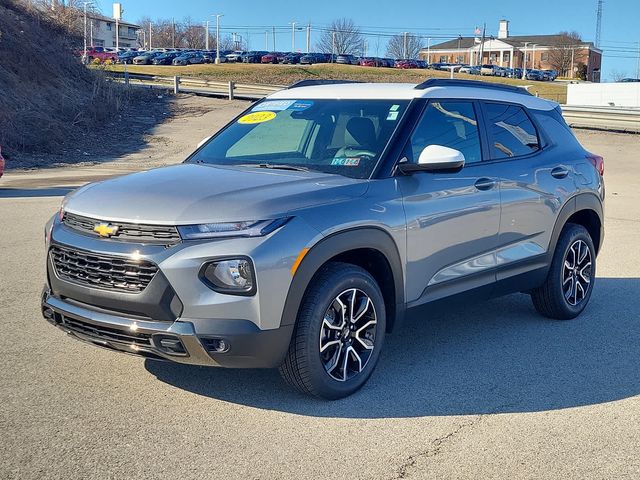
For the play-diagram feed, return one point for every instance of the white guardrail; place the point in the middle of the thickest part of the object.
(605, 118)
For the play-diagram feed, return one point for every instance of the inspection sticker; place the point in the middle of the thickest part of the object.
(257, 117)
(346, 161)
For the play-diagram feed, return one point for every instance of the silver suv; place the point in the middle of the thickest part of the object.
(298, 235)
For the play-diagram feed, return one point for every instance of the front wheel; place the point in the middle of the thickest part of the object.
(567, 289)
(339, 333)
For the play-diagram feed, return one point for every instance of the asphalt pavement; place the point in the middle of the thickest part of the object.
(490, 390)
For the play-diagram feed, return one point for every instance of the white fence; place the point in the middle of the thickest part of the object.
(623, 94)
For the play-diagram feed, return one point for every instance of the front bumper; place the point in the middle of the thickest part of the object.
(245, 345)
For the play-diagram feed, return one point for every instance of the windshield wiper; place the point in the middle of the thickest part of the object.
(276, 166)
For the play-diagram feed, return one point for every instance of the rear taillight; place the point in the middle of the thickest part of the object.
(597, 161)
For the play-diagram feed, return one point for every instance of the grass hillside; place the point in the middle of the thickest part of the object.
(287, 74)
(48, 100)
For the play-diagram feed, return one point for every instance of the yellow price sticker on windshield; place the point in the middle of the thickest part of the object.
(257, 117)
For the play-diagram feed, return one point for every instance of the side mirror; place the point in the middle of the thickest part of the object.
(435, 158)
(203, 141)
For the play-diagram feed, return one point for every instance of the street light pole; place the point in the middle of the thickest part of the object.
(85, 32)
(524, 64)
(293, 36)
(206, 39)
(218, 38)
(404, 46)
(429, 50)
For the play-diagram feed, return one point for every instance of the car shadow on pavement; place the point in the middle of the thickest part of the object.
(493, 357)
(36, 192)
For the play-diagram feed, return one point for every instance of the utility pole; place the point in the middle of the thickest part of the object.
(85, 32)
(266, 39)
(150, 23)
(117, 35)
(429, 50)
(404, 46)
(173, 33)
(333, 44)
(218, 38)
(274, 39)
(293, 36)
(484, 31)
(533, 55)
(206, 38)
(524, 63)
(573, 49)
(308, 37)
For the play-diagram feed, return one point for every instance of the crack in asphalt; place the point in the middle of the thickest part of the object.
(404, 470)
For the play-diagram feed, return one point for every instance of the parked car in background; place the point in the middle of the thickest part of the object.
(550, 74)
(471, 70)
(406, 63)
(146, 58)
(100, 54)
(422, 63)
(2, 163)
(234, 56)
(188, 59)
(270, 57)
(127, 57)
(311, 58)
(488, 69)
(535, 75)
(209, 56)
(368, 62)
(630, 80)
(517, 73)
(165, 58)
(292, 58)
(254, 56)
(346, 59)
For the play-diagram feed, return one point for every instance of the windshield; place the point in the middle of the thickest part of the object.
(345, 137)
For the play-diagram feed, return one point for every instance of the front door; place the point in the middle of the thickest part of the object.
(453, 219)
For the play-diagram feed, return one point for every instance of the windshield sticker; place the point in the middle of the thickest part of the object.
(346, 161)
(300, 105)
(392, 116)
(273, 105)
(394, 108)
(256, 117)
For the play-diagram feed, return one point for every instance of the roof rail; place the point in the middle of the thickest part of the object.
(311, 83)
(449, 82)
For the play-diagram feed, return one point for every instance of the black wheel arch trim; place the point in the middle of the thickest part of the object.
(577, 203)
(336, 244)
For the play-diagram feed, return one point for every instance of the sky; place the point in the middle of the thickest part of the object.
(438, 20)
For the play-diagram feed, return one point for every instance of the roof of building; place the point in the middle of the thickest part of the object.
(104, 18)
(408, 91)
(516, 41)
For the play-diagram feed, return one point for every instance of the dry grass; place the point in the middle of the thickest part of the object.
(287, 74)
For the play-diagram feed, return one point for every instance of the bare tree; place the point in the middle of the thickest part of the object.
(341, 37)
(194, 34)
(565, 52)
(404, 46)
(617, 75)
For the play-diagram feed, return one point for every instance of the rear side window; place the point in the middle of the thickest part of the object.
(511, 132)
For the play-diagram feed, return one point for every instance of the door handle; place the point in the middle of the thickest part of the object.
(485, 184)
(560, 172)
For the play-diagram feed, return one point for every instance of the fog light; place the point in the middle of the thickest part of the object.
(169, 344)
(215, 345)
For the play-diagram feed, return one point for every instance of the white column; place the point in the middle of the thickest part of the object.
(501, 53)
(511, 58)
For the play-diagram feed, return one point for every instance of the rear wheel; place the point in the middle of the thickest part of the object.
(339, 333)
(567, 289)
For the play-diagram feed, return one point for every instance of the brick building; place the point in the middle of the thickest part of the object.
(570, 57)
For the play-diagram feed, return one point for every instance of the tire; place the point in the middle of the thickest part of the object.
(326, 374)
(569, 283)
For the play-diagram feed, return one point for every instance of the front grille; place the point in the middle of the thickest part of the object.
(126, 232)
(106, 333)
(102, 271)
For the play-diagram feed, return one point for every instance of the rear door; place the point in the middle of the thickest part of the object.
(535, 181)
(452, 218)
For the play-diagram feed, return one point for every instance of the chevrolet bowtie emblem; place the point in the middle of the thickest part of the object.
(105, 229)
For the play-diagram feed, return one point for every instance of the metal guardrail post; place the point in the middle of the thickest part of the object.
(232, 85)
(176, 84)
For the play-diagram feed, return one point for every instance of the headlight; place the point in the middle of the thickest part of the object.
(230, 275)
(231, 229)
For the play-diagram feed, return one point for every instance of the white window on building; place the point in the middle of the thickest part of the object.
(459, 59)
(493, 58)
(109, 26)
(443, 59)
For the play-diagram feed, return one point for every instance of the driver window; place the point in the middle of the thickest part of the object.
(450, 124)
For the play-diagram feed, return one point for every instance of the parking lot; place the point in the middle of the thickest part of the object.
(487, 391)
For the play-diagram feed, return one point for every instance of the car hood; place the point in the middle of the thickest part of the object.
(194, 193)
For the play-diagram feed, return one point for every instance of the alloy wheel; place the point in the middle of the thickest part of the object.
(576, 272)
(347, 334)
